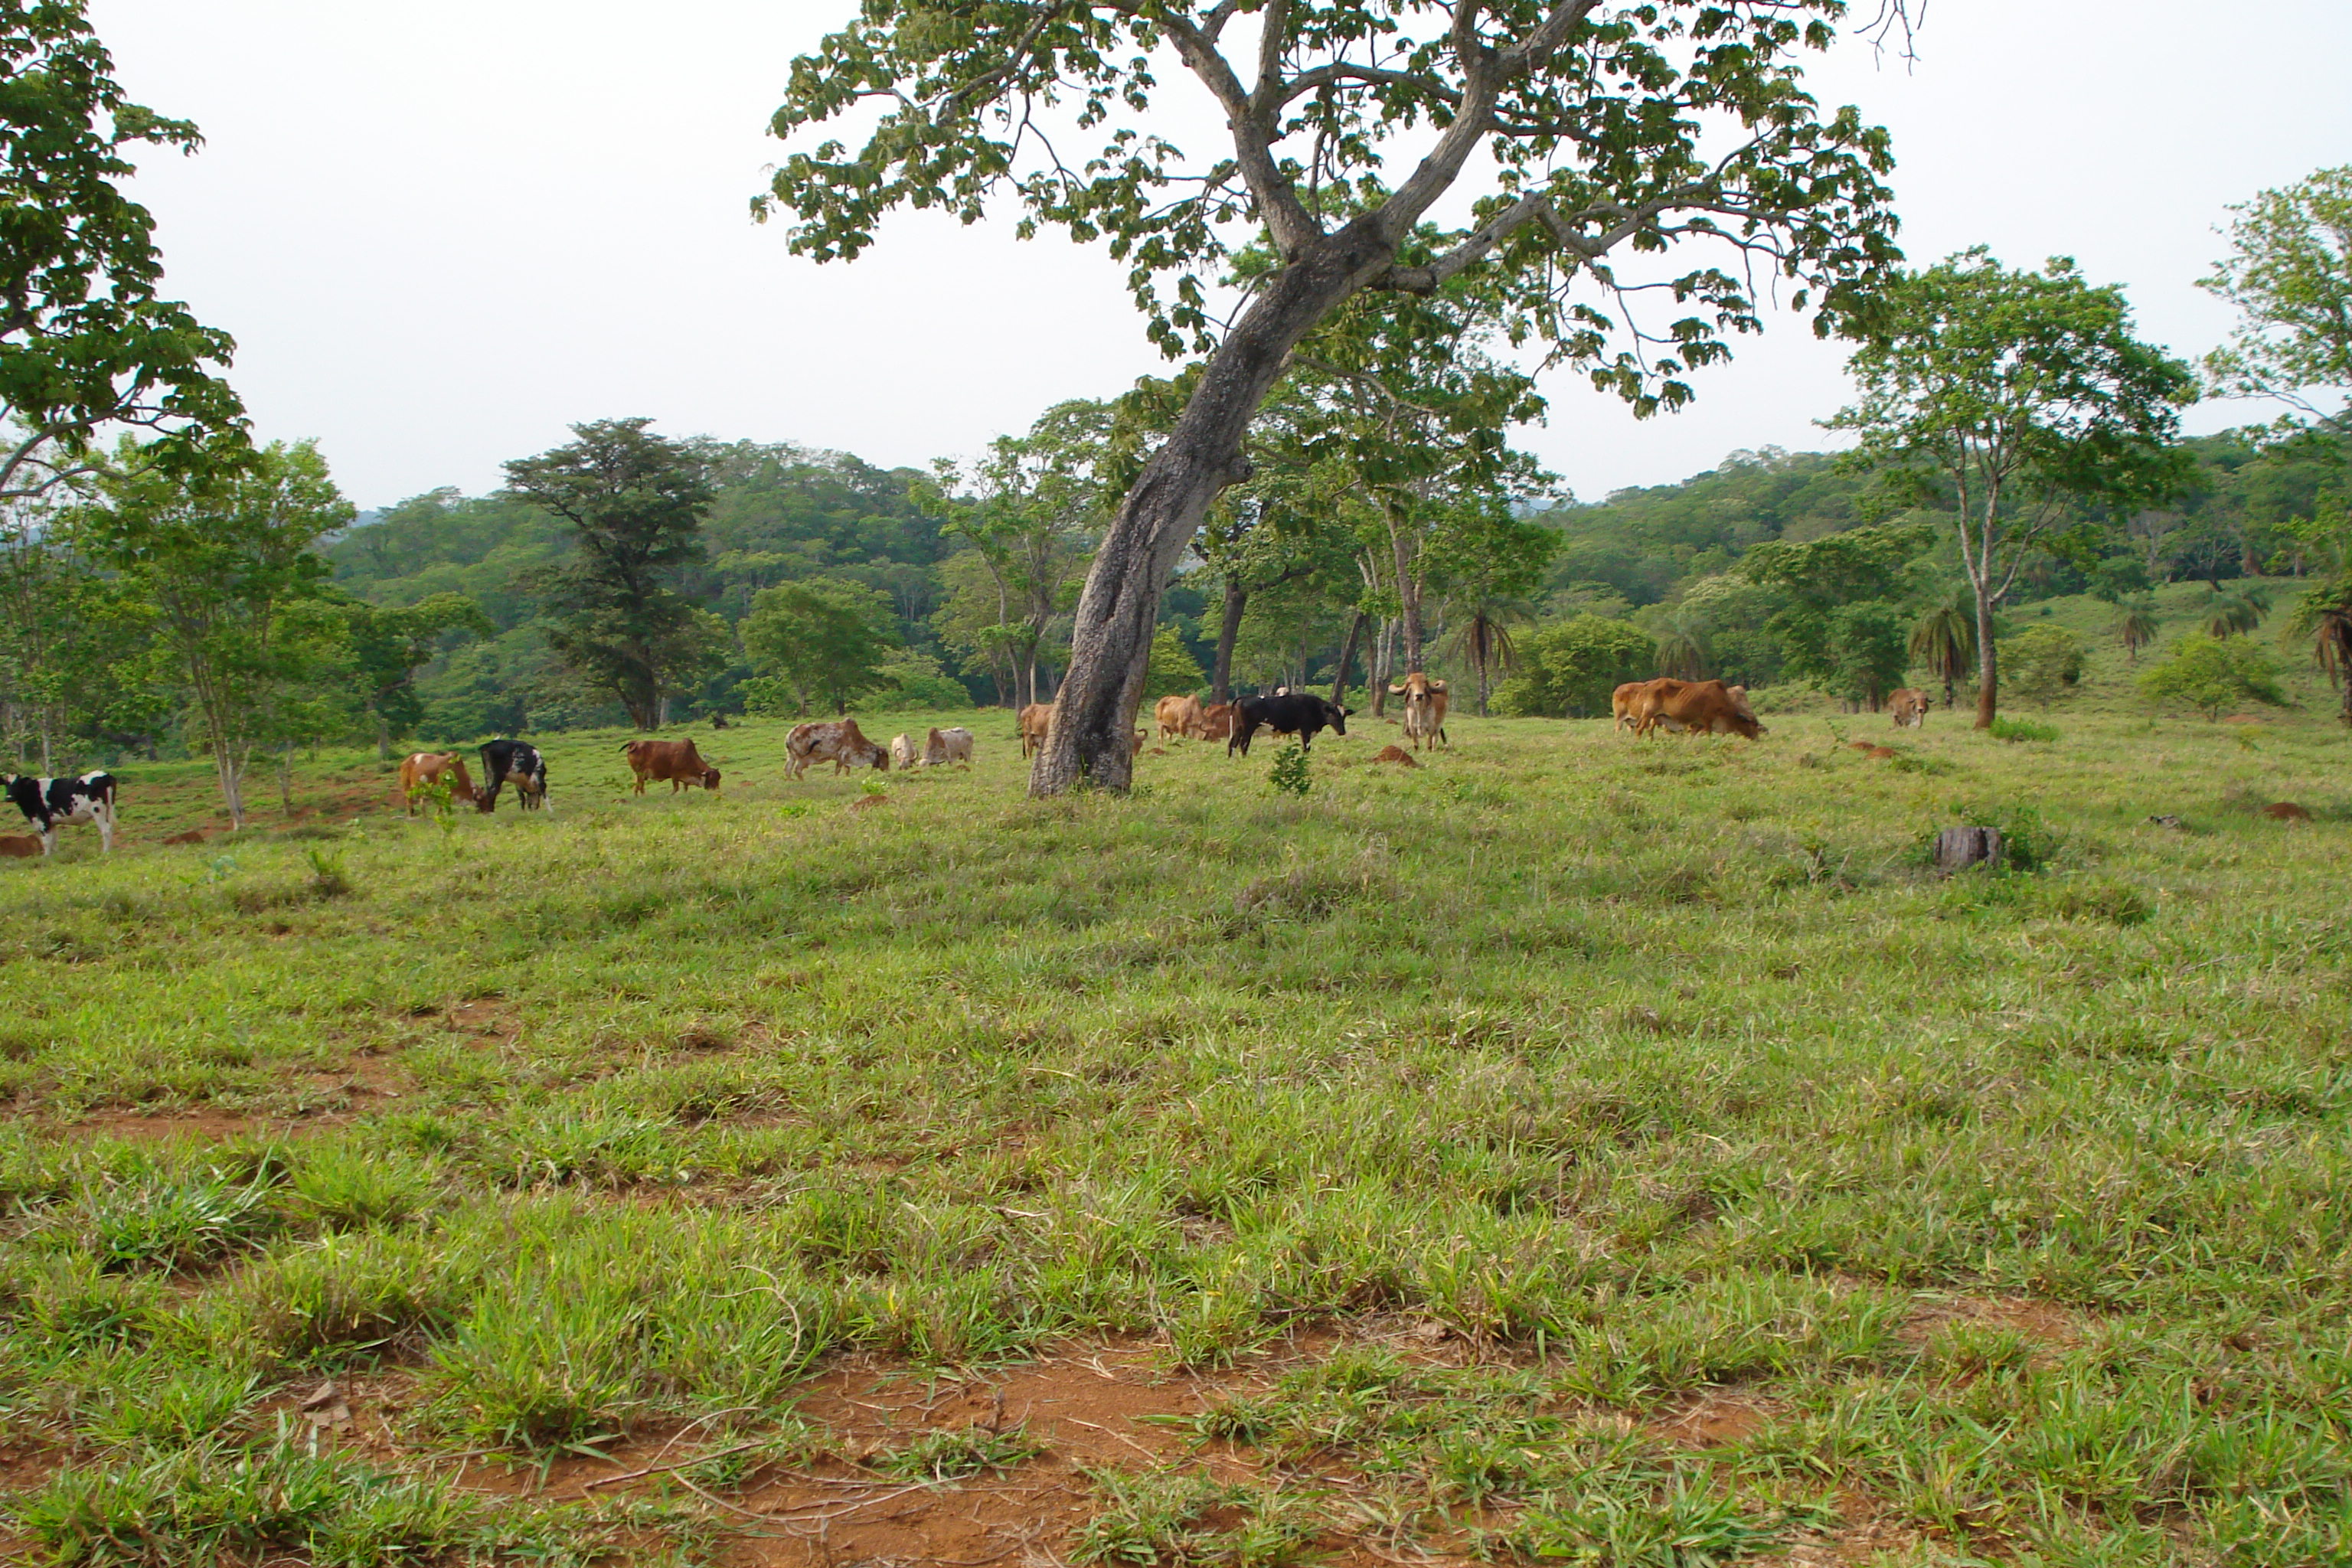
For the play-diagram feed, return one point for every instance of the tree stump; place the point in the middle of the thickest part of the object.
(1959, 847)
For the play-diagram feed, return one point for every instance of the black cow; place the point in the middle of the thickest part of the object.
(1287, 712)
(48, 802)
(516, 760)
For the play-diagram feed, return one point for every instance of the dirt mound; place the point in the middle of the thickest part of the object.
(868, 801)
(14, 845)
(2285, 811)
(1394, 754)
(193, 835)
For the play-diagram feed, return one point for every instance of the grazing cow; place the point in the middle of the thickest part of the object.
(1424, 709)
(1177, 716)
(1217, 721)
(718, 721)
(1707, 707)
(1037, 724)
(835, 740)
(941, 747)
(1620, 702)
(518, 761)
(421, 772)
(1909, 708)
(675, 760)
(1298, 713)
(902, 752)
(48, 802)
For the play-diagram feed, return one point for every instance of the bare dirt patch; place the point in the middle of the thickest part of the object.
(1717, 1418)
(2038, 1320)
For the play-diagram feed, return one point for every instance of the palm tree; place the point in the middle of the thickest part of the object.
(1681, 653)
(2135, 625)
(1945, 641)
(2324, 615)
(1483, 637)
(2231, 614)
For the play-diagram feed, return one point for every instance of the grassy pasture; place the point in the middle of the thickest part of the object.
(1571, 1149)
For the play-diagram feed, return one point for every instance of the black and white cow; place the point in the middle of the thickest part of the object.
(518, 761)
(48, 802)
(1287, 712)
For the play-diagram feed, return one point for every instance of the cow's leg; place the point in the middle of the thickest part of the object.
(104, 816)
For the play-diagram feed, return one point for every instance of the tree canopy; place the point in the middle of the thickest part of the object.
(87, 344)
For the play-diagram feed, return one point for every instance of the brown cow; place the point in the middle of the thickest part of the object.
(1424, 709)
(1217, 721)
(1909, 708)
(421, 772)
(1177, 716)
(676, 760)
(1705, 707)
(837, 740)
(1620, 702)
(1037, 724)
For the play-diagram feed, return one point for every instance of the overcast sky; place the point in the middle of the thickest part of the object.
(442, 231)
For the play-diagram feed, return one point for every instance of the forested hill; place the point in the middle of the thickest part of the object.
(1646, 543)
(1651, 546)
(783, 513)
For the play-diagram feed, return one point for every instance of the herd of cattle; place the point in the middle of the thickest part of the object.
(1699, 707)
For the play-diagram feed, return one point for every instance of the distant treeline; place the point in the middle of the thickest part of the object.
(1663, 561)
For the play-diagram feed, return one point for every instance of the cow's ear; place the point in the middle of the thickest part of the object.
(1396, 690)
(1437, 686)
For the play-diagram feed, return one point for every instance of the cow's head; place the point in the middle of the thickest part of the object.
(1416, 688)
(710, 778)
(1339, 717)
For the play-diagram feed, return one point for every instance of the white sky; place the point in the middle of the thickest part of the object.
(442, 231)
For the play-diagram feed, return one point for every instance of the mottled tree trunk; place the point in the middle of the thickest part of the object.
(1346, 657)
(1229, 627)
(1987, 664)
(1110, 643)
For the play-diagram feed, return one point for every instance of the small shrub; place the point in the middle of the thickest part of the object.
(1627, 1520)
(2214, 676)
(2041, 661)
(947, 1456)
(2016, 729)
(164, 1221)
(2119, 903)
(347, 1190)
(1289, 774)
(329, 878)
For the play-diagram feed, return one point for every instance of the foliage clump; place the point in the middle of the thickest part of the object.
(2214, 675)
(1570, 669)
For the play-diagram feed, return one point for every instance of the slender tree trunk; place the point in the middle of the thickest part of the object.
(1987, 664)
(1346, 657)
(1384, 669)
(1111, 640)
(286, 779)
(1484, 687)
(382, 739)
(1221, 685)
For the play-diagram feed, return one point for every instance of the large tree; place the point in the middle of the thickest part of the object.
(219, 587)
(635, 502)
(85, 345)
(2017, 400)
(2289, 273)
(1033, 510)
(389, 644)
(1565, 130)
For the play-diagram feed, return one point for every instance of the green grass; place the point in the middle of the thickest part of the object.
(1635, 1074)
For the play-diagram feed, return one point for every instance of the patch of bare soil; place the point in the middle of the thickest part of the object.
(369, 1080)
(1716, 1419)
(2037, 1320)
